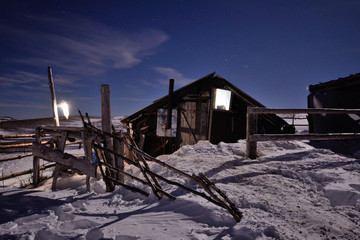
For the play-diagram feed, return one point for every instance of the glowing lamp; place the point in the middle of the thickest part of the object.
(65, 109)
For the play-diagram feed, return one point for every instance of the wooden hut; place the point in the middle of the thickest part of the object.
(340, 93)
(210, 108)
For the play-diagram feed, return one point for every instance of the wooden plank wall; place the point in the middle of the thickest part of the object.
(194, 114)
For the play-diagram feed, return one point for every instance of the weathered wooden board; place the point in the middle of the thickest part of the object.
(193, 122)
(83, 166)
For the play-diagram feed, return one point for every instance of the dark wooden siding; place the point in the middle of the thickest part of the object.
(193, 122)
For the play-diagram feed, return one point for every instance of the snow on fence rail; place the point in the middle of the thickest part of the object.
(252, 137)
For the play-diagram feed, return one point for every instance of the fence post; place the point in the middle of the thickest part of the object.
(119, 162)
(106, 127)
(251, 128)
(36, 160)
(53, 97)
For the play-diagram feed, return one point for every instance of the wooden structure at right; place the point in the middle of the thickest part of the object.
(210, 108)
(342, 93)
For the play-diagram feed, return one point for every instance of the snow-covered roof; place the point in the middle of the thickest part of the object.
(350, 82)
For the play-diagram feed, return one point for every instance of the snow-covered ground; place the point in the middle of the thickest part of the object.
(292, 191)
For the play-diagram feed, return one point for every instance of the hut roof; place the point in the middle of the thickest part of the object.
(338, 84)
(205, 83)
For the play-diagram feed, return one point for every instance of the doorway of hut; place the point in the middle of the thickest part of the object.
(227, 118)
(227, 126)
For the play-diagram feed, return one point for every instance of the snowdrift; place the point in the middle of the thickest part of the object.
(293, 191)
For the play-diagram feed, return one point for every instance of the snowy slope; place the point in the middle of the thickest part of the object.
(292, 191)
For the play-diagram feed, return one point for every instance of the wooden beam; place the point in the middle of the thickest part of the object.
(314, 136)
(54, 155)
(260, 110)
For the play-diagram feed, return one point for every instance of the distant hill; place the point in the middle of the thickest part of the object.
(6, 118)
(29, 125)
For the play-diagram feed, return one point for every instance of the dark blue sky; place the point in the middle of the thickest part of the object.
(270, 49)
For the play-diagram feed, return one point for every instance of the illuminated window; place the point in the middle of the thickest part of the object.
(222, 99)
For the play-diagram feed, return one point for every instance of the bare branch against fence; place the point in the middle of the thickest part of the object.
(211, 192)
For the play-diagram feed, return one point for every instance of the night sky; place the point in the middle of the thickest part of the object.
(272, 50)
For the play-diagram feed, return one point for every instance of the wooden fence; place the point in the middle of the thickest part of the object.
(83, 165)
(22, 143)
(252, 136)
(135, 157)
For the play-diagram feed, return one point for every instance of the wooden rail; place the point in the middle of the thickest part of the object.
(252, 137)
(16, 174)
(81, 165)
(23, 143)
(13, 143)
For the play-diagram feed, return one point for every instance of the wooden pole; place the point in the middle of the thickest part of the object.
(106, 126)
(53, 97)
(86, 141)
(36, 159)
(119, 162)
(251, 128)
(61, 147)
(169, 111)
(105, 108)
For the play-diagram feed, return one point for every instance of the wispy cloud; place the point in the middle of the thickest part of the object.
(134, 99)
(22, 105)
(22, 79)
(169, 73)
(82, 46)
(36, 82)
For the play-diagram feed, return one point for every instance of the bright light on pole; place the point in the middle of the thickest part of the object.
(65, 109)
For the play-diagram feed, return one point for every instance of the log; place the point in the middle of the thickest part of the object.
(17, 136)
(24, 172)
(15, 157)
(20, 145)
(54, 155)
